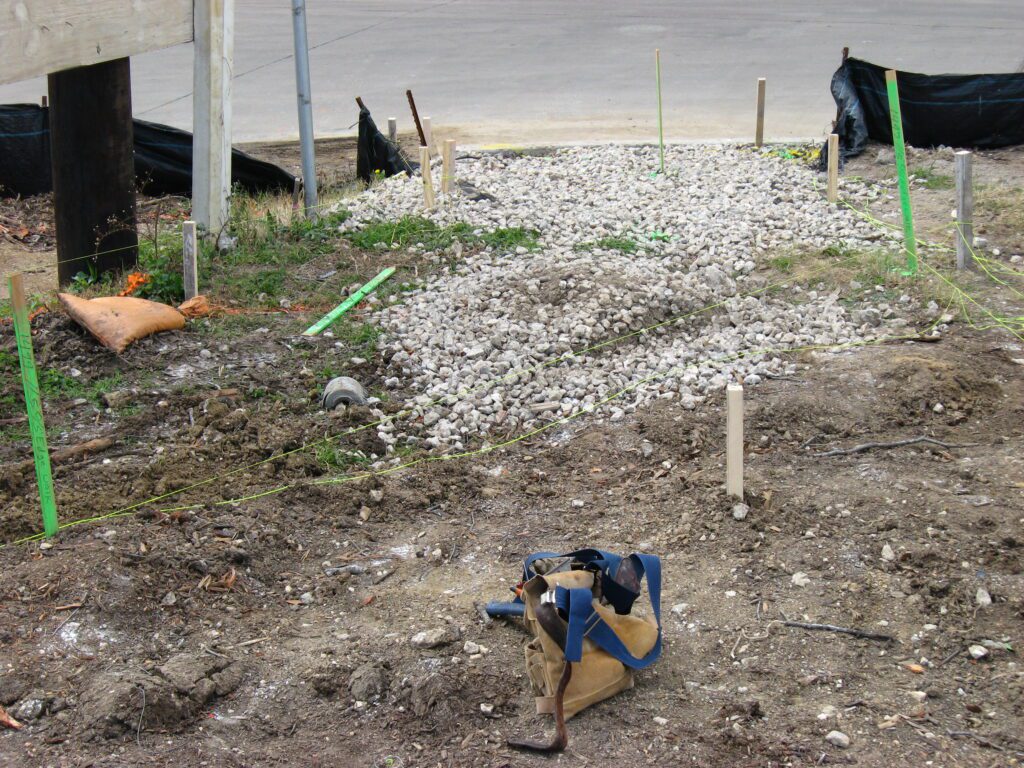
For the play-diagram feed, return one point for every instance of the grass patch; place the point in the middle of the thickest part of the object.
(620, 244)
(416, 230)
(932, 179)
(1003, 206)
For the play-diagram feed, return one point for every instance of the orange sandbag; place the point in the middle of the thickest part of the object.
(117, 321)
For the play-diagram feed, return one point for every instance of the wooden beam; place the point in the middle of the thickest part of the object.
(93, 164)
(211, 114)
(39, 37)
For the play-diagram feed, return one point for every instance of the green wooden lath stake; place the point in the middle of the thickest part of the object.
(33, 405)
(661, 125)
(348, 303)
(909, 241)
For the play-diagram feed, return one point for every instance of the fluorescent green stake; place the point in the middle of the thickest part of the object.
(33, 405)
(348, 303)
(661, 126)
(909, 241)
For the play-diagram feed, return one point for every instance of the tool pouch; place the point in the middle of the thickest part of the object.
(578, 612)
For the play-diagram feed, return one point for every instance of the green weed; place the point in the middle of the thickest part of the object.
(933, 179)
(621, 244)
(334, 457)
(413, 230)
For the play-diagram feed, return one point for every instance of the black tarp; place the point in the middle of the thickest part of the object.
(978, 111)
(163, 158)
(375, 152)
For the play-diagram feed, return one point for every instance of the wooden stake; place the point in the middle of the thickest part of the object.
(189, 259)
(428, 135)
(734, 441)
(93, 165)
(896, 121)
(416, 118)
(448, 166)
(964, 210)
(759, 132)
(393, 130)
(33, 404)
(428, 183)
(833, 167)
(296, 196)
(661, 124)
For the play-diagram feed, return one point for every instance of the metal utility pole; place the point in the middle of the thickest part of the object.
(305, 102)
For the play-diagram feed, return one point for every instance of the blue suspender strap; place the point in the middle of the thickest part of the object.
(584, 621)
(577, 605)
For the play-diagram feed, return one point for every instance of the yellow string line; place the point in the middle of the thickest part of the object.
(456, 397)
(491, 447)
(1000, 322)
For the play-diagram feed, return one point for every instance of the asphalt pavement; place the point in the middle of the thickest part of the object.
(542, 71)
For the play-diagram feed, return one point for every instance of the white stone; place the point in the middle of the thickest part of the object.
(838, 738)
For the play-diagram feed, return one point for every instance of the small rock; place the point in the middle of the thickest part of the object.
(368, 682)
(919, 696)
(680, 608)
(29, 709)
(487, 709)
(306, 598)
(800, 579)
(377, 494)
(364, 513)
(740, 511)
(432, 638)
(838, 738)
(577, 503)
(887, 553)
(938, 408)
(660, 721)
(982, 597)
(978, 652)
(471, 648)
(169, 599)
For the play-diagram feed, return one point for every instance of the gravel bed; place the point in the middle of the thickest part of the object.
(704, 229)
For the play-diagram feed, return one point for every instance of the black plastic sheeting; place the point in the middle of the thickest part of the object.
(967, 111)
(163, 158)
(375, 153)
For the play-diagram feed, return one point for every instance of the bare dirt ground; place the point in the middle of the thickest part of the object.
(276, 631)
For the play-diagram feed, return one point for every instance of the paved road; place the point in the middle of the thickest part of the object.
(563, 70)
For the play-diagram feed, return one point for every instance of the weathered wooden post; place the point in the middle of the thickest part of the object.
(93, 166)
(964, 210)
(759, 131)
(211, 114)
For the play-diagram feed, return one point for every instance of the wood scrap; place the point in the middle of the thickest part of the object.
(842, 630)
(74, 452)
(9, 721)
(895, 444)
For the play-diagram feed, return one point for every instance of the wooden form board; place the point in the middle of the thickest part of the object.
(39, 37)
